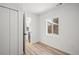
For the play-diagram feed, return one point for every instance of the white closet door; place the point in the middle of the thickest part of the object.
(4, 31)
(20, 32)
(13, 32)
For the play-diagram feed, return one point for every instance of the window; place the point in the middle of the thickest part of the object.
(52, 25)
(55, 25)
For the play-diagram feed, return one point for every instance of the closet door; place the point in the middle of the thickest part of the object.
(4, 31)
(13, 32)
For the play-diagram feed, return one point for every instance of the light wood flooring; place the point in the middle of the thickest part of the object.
(41, 49)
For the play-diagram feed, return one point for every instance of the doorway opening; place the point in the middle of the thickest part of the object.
(27, 33)
(28, 29)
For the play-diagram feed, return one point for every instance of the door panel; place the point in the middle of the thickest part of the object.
(13, 32)
(4, 31)
(20, 32)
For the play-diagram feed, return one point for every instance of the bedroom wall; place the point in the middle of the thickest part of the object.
(68, 38)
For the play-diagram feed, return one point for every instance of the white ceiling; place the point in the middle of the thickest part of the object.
(38, 8)
(16, 6)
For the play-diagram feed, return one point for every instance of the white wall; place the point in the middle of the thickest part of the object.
(68, 38)
(34, 26)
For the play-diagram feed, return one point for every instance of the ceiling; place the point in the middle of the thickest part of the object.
(35, 8)
(38, 8)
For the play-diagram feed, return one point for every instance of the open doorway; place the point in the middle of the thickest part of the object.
(28, 29)
(27, 33)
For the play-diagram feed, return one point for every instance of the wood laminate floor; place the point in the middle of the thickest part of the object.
(41, 49)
